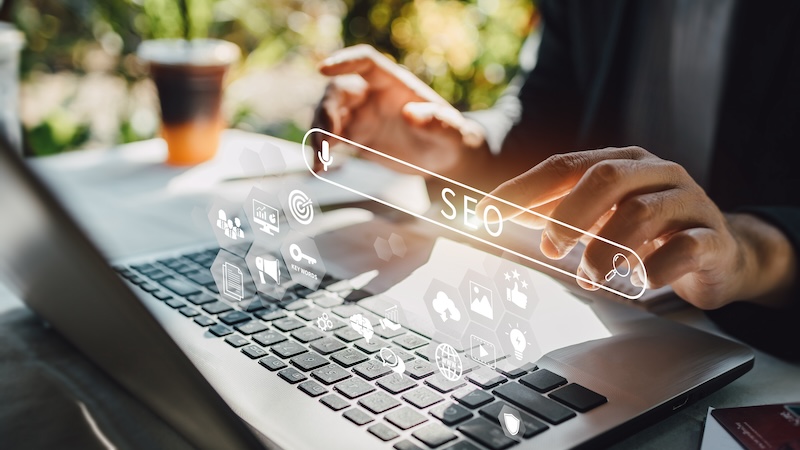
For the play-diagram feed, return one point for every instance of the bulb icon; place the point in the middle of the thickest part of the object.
(518, 342)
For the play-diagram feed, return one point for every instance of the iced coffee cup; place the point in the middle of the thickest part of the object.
(189, 78)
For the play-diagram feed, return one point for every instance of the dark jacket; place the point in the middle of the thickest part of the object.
(572, 100)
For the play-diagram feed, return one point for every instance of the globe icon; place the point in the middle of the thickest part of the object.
(448, 362)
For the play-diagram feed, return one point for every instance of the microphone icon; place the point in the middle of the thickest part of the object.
(325, 156)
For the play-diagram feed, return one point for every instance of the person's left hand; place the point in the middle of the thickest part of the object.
(653, 206)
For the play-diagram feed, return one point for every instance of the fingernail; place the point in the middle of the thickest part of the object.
(636, 280)
(548, 247)
(585, 284)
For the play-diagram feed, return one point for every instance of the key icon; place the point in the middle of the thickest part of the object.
(297, 254)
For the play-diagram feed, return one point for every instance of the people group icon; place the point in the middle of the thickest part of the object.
(231, 228)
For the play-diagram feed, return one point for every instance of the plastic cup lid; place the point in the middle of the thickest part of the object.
(195, 52)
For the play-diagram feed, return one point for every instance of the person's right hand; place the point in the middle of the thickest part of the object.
(375, 102)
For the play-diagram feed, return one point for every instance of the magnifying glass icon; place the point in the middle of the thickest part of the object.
(622, 267)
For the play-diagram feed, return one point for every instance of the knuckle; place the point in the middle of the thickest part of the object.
(563, 164)
(604, 174)
(637, 152)
(639, 209)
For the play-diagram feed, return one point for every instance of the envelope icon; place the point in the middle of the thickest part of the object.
(512, 423)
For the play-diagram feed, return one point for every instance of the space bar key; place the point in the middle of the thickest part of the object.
(534, 403)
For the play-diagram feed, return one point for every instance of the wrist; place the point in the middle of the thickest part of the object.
(767, 261)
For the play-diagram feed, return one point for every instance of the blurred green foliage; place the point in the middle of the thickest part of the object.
(466, 49)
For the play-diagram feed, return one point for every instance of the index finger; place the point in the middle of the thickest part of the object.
(551, 179)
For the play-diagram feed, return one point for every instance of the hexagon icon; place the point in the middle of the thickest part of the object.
(447, 309)
(482, 346)
(264, 212)
(518, 341)
(515, 285)
(300, 206)
(232, 277)
(269, 272)
(303, 260)
(267, 160)
(230, 226)
(386, 249)
(483, 302)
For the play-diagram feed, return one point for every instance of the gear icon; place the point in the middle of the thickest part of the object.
(324, 322)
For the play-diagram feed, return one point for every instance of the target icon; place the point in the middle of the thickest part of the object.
(300, 207)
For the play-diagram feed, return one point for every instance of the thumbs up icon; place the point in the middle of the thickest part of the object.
(516, 297)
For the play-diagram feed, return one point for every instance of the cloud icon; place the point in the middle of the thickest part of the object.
(445, 306)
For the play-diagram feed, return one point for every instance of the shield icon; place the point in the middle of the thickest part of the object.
(512, 423)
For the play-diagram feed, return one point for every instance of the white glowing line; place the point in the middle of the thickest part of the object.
(463, 233)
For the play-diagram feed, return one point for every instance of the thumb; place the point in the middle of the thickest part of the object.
(516, 287)
(430, 113)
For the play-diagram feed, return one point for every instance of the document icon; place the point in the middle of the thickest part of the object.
(232, 281)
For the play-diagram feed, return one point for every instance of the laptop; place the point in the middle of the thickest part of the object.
(301, 372)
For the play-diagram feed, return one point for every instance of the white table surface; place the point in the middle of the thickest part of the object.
(130, 203)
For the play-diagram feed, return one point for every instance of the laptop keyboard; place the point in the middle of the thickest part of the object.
(341, 369)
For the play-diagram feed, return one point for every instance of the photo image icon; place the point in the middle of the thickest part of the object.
(481, 300)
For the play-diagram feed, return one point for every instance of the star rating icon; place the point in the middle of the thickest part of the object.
(516, 274)
(508, 277)
(524, 284)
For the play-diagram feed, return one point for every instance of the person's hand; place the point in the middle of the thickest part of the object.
(377, 103)
(654, 207)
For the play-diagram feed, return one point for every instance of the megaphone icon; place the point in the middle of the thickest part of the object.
(270, 267)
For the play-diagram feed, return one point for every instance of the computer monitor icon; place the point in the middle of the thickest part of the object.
(266, 216)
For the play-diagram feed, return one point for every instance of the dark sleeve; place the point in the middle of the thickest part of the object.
(775, 331)
(539, 113)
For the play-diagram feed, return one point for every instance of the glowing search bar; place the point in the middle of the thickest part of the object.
(621, 260)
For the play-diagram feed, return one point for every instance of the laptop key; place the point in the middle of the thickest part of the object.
(347, 334)
(307, 334)
(422, 397)
(534, 403)
(217, 307)
(532, 426)
(220, 330)
(267, 338)
(388, 333)
(543, 380)
(270, 315)
(353, 388)
(233, 317)
(330, 374)
(327, 345)
(204, 321)
(396, 384)
(236, 341)
(349, 357)
(287, 324)
(325, 299)
(334, 402)
(291, 375)
(254, 351)
(402, 354)
(189, 311)
(463, 445)
(451, 413)
(370, 347)
(252, 327)
(201, 277)
(309, 314)
(578, 397)
(358, 416)
(312, 388)
(147, 287)
(517, 372)
(201, 298)
(408, 445)
(474, 398)
(272, 363)
(383, 432)
(162, 295)
(442, 384)
(405, 418)
(434, 435)
(486, 378)
(308, 361)
(486, 433)
(287, 349)
(157, 275)
(372, 369)
(379, 402)
(180, 287)
(175, 303)
(419, 369)
(410, 341)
